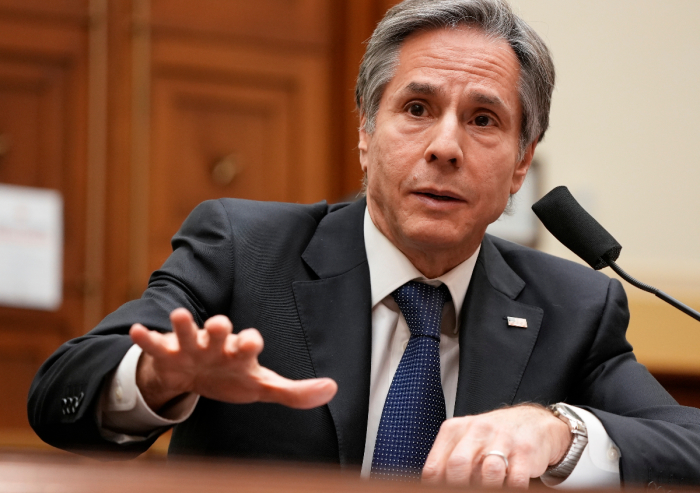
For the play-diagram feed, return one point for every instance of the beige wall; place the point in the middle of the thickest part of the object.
(625, 139)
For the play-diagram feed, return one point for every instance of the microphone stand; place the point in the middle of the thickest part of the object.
(650, 289)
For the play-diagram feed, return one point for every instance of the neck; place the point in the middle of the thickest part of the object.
(428, 255)
(433, 264)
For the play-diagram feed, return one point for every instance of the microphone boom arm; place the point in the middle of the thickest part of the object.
(650, 289)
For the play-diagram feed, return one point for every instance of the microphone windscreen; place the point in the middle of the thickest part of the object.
(576, 228)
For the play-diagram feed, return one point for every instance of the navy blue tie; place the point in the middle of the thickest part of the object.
(415, 406)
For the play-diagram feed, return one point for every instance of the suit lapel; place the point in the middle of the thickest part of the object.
(335, 314)
(493, 355)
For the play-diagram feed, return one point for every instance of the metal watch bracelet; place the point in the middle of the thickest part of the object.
(559, 472)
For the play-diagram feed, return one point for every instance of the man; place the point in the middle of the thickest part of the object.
(453, 97)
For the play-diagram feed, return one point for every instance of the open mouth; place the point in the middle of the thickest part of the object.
(437, 197)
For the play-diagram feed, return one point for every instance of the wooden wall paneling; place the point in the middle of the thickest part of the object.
(20, 357)
(274, 46)
(116, 288)
(44, 69)
(140, 139)
(304, 74)
(53, 12)
(43, 113)
(685, 388)
(274, 23)
(358, 19)
(215, 140)
(312, 47)
(384, 5)
(354, 26)
(267, 108)
(96, 164)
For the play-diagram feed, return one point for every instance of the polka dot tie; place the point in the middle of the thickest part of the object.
(415, 406)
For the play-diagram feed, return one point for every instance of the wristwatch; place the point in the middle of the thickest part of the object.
(559, 472)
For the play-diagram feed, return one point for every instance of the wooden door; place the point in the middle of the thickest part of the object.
(240, 107)
(137, 110)
(43, 53)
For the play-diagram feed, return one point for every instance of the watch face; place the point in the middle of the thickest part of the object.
(570, 413)
(569, 416)
(576, 424)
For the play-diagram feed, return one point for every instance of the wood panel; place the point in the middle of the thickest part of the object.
(267, 85)
(282, 24)
(53, 12)
(43, 120)
(357, 21)
(666, 340)
(223, 107)
(685, 388)
(119, 152)
(297, 53)
(213, 141)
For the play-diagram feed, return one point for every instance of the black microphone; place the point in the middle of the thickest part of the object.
(579, 232)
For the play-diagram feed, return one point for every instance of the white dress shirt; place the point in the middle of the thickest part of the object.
(125, 416)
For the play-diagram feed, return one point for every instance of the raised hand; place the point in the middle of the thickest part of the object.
(530, 437)
(215, 363)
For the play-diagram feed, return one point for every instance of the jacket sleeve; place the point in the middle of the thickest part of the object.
(659, 440)
(64, 395)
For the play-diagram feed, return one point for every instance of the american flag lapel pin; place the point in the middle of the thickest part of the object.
(517, 322)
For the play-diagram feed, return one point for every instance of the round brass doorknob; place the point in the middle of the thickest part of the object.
(225, 170)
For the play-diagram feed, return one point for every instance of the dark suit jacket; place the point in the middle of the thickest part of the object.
(299, 274)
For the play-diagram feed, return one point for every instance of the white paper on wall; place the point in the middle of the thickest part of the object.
(31, 247)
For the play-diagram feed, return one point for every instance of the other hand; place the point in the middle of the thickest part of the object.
(217, 364)
(530, 437)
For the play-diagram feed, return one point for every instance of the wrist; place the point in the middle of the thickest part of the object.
(153, 390)
(563, 440)
(559, 471)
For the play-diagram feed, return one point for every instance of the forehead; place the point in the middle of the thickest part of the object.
(461, 56)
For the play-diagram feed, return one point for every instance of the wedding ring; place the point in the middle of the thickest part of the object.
(501, 455)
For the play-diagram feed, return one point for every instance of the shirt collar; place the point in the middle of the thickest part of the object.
(389, 268)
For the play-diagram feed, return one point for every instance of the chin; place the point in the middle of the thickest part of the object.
(432, 238)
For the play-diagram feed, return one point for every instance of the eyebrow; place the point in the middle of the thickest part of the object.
(482, 98)
(428, 89)
(423, 88)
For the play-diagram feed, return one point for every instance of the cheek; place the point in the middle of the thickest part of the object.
(495, 183)
(391, 163)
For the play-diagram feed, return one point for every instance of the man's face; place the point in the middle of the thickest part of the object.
(443, 158)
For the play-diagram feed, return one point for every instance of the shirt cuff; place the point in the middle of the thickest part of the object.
(599, 465)
(123, 414)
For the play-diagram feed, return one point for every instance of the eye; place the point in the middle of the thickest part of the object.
(482, 121)
(416, 109)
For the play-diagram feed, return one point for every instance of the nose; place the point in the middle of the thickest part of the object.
(444, 146)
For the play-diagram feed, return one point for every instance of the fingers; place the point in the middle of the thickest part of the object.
(188, 336)
(493, 471)
(215, 332)
(518, 474)
(227, 363)
(299, 394)
(247, 342)
(152, 342)
(465, 463)
(468, 462)
(465, 449)
(448, 437)
(185, 328)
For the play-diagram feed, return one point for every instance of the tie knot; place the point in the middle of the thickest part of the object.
(421, 305)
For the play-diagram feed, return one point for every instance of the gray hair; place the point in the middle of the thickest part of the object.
(495, 18)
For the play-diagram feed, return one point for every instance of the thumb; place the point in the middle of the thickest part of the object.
(299, 394)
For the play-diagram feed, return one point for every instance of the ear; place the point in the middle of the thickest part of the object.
(363, 144)
(522, 167)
